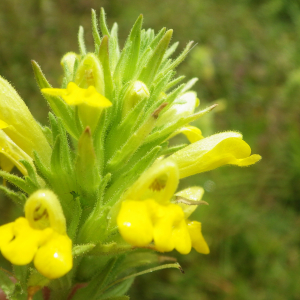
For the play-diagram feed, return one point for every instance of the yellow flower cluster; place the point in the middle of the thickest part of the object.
(39, 237)
(50, 251)
(141, 222)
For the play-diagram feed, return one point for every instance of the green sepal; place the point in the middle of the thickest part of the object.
(81, 250)
(75, 221)
(96, 34)
(59, 107)
(37, 279)
(149, 71)
(95, 227)
(81, 42)
(87, 173)
(17, 197)
(95, 286)
(173, 149)
(21, 274)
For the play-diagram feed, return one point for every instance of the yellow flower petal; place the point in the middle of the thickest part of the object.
(134, 223)
(159, 182)
(181, 238)
(194, 193)
(213, 152)
(166, 218)
(21, 250)
(3, 124)
(6, 234)
(74, 95)
(54, 258)
(192, 133)
(198, 241)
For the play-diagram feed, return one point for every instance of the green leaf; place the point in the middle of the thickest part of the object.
(103, 24)
(104, 59)
(114, 51)
(116, 298)
(135, 39)
(123, 179)
(166, 266)
(31, 171)
(179, 59)
(27, 186)
(96, 285)
(82, 48)
(42, 170)
(18, 197)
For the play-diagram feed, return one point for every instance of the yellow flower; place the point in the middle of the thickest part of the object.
(10, 154)
(19, 125)
(192, 133)
(147, 215)
(212, 152)
(74, 95)
(40, 237)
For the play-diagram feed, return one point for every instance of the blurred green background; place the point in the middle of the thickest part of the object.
(248, 60)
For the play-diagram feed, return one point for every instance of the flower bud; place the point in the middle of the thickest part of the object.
(182, 107)
(69, 60)
(11, 154)
(136, 92)
(42, 210)
(22, 127)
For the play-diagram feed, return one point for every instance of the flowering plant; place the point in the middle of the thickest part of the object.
(99, 186)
